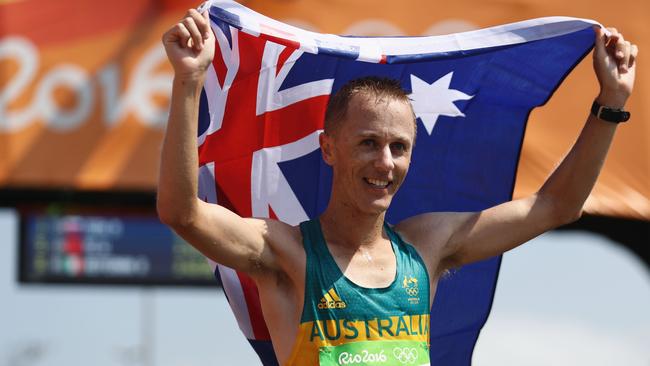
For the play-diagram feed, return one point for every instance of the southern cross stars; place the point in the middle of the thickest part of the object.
(433, 100)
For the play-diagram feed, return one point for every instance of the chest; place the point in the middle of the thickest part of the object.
(368, 269)
(372, 288)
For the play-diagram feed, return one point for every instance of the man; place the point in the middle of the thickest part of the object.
(347, 288)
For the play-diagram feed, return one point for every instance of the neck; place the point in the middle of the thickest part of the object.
(346, 226)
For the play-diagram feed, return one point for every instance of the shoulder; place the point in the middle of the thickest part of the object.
(430, 233)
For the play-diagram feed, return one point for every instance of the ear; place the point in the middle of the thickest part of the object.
(326, 147)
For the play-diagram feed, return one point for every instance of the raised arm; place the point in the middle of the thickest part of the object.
(220, 234)
(468, 237)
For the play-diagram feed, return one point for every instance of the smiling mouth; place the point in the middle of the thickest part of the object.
(377, 183)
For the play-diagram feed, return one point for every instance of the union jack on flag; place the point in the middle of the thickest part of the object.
(263, 106)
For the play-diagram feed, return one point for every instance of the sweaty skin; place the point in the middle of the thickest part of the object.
(369, 154)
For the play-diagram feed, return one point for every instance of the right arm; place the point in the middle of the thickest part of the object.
(221, 235)
(469, 237)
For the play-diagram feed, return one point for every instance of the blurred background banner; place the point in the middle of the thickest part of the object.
(84, 87)
(84, 92)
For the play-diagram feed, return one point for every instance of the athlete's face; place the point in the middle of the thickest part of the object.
(370, 152)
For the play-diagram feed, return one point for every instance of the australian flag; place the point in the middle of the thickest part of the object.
(263, 106)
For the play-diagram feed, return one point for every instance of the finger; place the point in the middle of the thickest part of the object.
(601, 40)
(620, 47)
(627, 48)
(612, 31)
(612, 39)
(177, 34)
(634, 51)
(197, 37)
(202, 23)
(208, 30)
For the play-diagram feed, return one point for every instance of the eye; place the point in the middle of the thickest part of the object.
(368, 143)
(398, 146)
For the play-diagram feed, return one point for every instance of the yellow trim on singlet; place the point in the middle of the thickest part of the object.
(323, 333)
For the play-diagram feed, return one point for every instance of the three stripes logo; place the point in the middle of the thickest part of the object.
(331, 300)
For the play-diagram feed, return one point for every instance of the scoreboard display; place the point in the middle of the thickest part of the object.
(108, 249)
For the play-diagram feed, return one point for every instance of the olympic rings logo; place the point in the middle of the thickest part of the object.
(410, 285)
(412, 291)
(405, 355)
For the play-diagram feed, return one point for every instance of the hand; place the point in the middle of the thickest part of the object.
(615, 67)
(190, 45)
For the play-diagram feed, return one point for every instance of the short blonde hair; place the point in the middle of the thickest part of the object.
(373, 86)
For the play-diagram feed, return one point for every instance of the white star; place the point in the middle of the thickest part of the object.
(433, 100)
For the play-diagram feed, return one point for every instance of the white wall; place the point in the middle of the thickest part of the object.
(569, 298)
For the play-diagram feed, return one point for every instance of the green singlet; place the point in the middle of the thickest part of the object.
(343, 323)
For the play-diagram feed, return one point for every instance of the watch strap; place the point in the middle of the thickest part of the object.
(614, 115)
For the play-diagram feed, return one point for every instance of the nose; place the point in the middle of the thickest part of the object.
(384, 160)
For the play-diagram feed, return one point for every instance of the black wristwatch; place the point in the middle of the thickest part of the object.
(614, 115)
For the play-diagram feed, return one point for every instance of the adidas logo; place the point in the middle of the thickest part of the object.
(331, 300)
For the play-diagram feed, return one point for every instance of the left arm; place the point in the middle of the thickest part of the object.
(461, 238)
